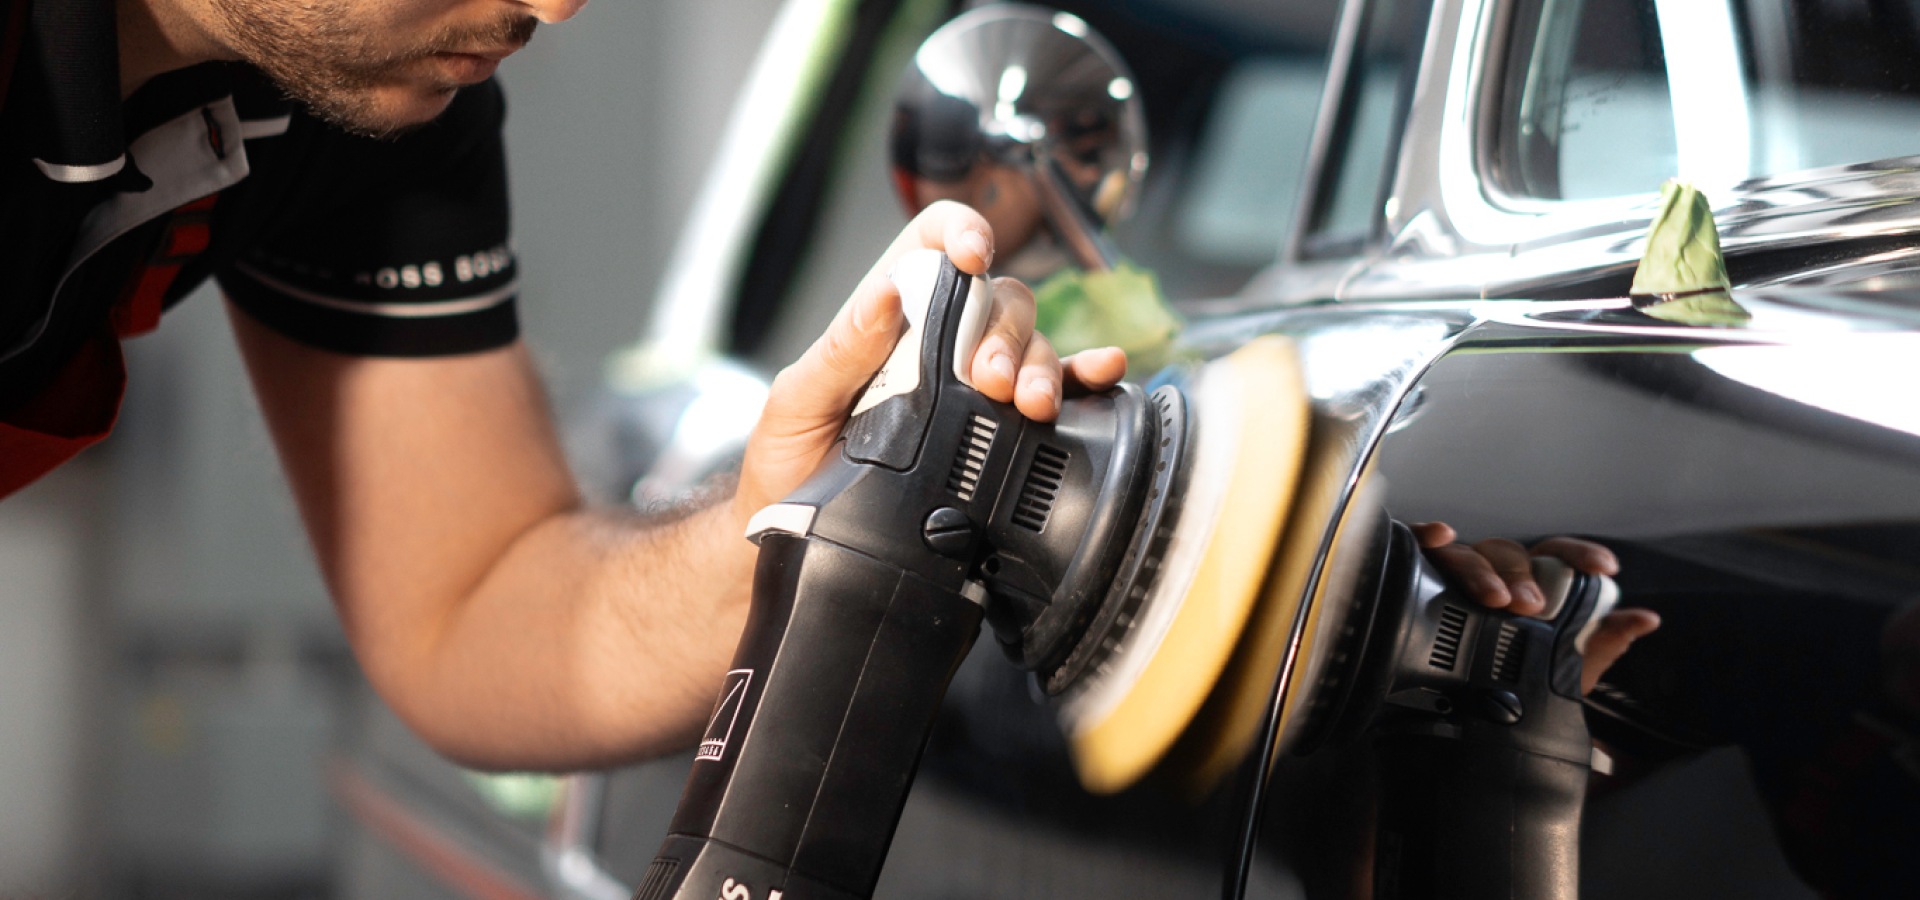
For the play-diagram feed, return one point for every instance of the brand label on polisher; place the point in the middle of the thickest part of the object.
(713, 744)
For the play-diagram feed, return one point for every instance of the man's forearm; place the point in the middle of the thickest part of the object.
(504, 622)
(556, 660)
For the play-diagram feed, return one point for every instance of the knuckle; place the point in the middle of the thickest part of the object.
(837, 353)
(1013, 290)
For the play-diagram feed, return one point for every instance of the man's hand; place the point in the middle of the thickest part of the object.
(811, 398)
(1499, 574)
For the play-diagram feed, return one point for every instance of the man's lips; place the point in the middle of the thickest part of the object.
(496, 54)
(472, 66)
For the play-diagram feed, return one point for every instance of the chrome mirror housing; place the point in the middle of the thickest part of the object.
(1029, 116)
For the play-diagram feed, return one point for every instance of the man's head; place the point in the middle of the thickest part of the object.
(378, 67)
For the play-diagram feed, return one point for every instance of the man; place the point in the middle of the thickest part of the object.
(359, 233)
(336, 166)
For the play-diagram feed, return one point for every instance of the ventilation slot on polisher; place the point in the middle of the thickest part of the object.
(1044, 477)
(658, 880)
(1446, 640)
(972, 458)
(1509, 653)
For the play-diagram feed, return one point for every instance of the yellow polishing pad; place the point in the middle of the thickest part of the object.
(1229, 723)
(1250, 416)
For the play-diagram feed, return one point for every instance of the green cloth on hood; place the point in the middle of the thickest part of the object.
(1683, 258)
(1079, 310)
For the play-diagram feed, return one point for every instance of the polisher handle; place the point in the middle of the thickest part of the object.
(941, 304)
(808, 756)
(863, 608)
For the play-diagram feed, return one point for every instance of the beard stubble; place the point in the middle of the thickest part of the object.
(323, 55)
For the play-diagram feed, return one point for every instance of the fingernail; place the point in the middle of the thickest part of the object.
(977, 242)
(1002, 365)
(1533, 596)
(1047, 389)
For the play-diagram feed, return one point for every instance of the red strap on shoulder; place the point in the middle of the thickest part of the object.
(13, 31)
(74, 412)
(188, 232)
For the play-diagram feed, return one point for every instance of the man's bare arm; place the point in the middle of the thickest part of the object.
(505, 622)
(499, 617)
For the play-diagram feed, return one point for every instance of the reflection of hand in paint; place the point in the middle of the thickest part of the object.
(1499, 574)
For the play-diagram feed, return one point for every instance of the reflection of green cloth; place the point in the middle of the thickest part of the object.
(1683, 258)
(1124, 308)
(518, 795)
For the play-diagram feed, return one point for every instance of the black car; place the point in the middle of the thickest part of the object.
(1441, 203)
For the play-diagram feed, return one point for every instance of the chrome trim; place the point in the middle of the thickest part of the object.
(1325, 124)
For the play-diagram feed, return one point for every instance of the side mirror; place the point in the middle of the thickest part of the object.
(1030, 117)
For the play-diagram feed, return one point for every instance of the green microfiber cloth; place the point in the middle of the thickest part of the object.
(1683, 278)
(1123, 307)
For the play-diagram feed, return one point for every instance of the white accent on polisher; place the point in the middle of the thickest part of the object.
(790, 518)
(916, 274)
(1555, 579)
(972, 327)
(1609, 598)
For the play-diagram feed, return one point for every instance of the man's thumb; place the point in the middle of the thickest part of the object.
(821, 384)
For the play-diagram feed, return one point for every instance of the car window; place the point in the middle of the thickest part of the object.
(1247, 165)
(1367, 129)
(1606, 98)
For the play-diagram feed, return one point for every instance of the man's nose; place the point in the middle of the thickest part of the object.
(551, 11)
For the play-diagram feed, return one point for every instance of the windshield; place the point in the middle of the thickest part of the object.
(1605, 98)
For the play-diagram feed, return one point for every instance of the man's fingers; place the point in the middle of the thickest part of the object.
(968, 239)
(1515, 568)
(1092, 371)
(1472, 570)
(821, 384)
(1610, 641)
(952, 228)
(1585, 556)
(1038, 395)
(1431, 535)
(996, 365)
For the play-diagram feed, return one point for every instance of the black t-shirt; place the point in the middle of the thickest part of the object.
(346, 243)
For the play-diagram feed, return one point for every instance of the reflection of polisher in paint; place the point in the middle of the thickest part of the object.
(1472, 717)
(1474, 720)
(1115, 553)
